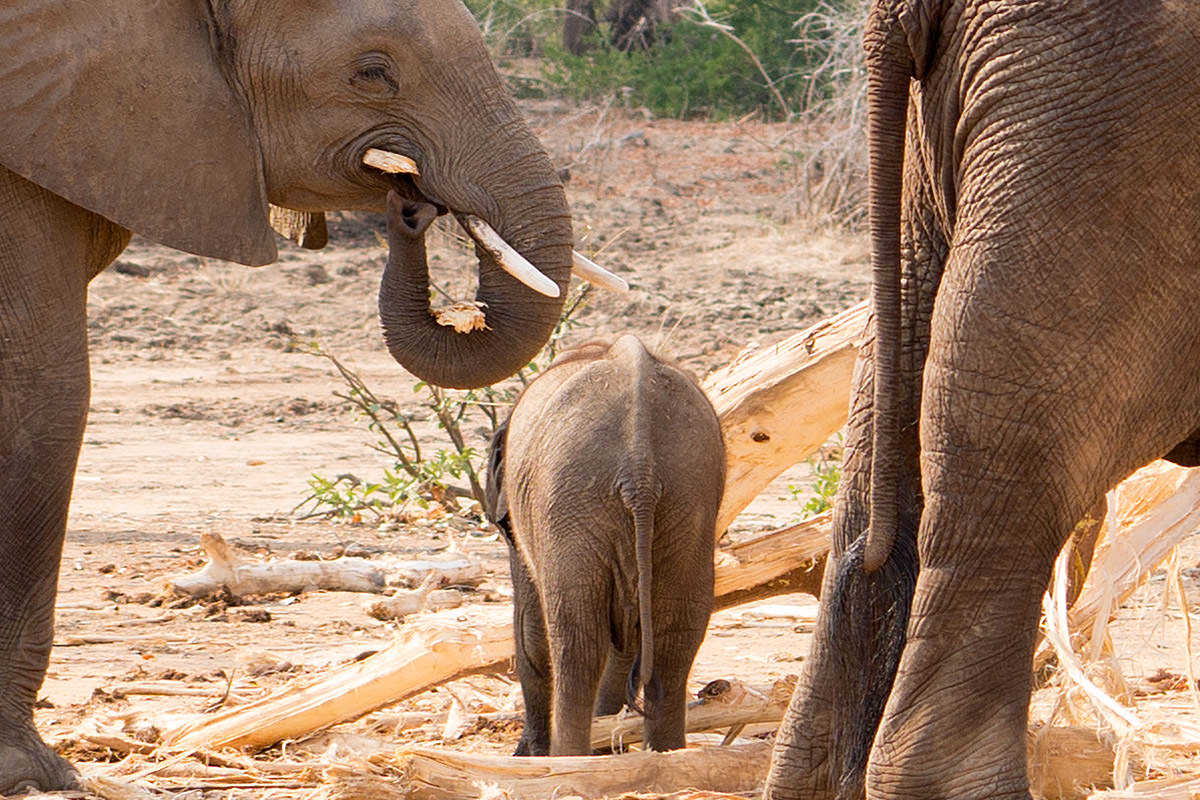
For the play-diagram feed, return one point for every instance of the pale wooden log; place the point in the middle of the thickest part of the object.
(413, 601)
(431, 774)
(1186, 787)
(1063, 763)
(1155, 508)
(787, 560)
(430, 650)
(779, 404)
(1150, 512)
(224, 569)
(731, 704)
(1067, 763)
(451, 569)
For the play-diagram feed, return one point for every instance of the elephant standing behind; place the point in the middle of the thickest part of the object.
(181, 120)
(606, 479)
(1035, 227)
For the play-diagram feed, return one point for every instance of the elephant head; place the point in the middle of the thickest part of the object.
(183, 120)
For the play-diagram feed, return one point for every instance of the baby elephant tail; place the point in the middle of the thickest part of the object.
(643, 668)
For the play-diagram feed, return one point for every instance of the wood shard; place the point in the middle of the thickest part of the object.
(779, 404)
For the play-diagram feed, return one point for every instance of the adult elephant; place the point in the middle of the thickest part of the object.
(1035, 224)
(181, 120)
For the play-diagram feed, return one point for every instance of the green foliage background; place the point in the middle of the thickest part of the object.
(692, 69)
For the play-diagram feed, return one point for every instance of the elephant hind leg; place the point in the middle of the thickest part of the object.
(533, 659)
(612, 695)
(579, 645)
(1187, 452)
(822, 747)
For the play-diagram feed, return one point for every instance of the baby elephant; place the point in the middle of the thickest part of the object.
(606, 480)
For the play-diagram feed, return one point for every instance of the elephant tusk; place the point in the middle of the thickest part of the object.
(390, 162)
(513, 262)
(592, 272)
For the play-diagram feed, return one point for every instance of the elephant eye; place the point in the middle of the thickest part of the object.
(374, 73)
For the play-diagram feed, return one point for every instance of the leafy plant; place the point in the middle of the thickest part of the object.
(416, 475)
(720, 59)
(826, 468)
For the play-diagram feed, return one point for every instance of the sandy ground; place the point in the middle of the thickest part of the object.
(207, 416)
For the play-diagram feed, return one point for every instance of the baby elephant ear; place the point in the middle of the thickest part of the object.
(495, 498)
(122, 107)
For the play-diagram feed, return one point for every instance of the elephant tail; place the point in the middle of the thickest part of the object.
(889, 40)
(643, 530)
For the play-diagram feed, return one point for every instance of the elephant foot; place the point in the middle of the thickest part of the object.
(27, 764)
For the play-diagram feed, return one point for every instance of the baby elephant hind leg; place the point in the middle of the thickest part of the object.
(579, 644)
(533, 660)
(613, 695)
(679, 631)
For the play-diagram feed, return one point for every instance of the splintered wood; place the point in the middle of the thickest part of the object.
(779, 404)
(450, 775)
(429, 651)
(791, 559)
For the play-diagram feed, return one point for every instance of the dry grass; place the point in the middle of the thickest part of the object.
(832, 157)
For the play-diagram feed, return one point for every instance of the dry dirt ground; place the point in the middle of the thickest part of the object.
(207, 416)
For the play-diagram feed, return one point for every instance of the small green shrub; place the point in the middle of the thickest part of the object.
(827, 474)
(417, 474)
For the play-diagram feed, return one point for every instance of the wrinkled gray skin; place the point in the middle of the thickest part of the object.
(607, 482)
(1035, 208)
(180, 120)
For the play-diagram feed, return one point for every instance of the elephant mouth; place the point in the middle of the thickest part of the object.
(404, 169)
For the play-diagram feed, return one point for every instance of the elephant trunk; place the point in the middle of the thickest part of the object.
(890, 66)
(518, 321)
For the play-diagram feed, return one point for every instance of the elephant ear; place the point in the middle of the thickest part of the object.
(495, 498)
(123, 108)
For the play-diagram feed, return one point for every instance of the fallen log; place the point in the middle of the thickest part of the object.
(1063, 762)
(225, 569)
(431, 774)
(430, 650)
(722, 704)
(413, 601)
(1069, 762)
(787, 560)
(779, 404)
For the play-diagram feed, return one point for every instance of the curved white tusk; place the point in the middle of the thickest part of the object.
(592, 272)
(386, 161)
(513, 262)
